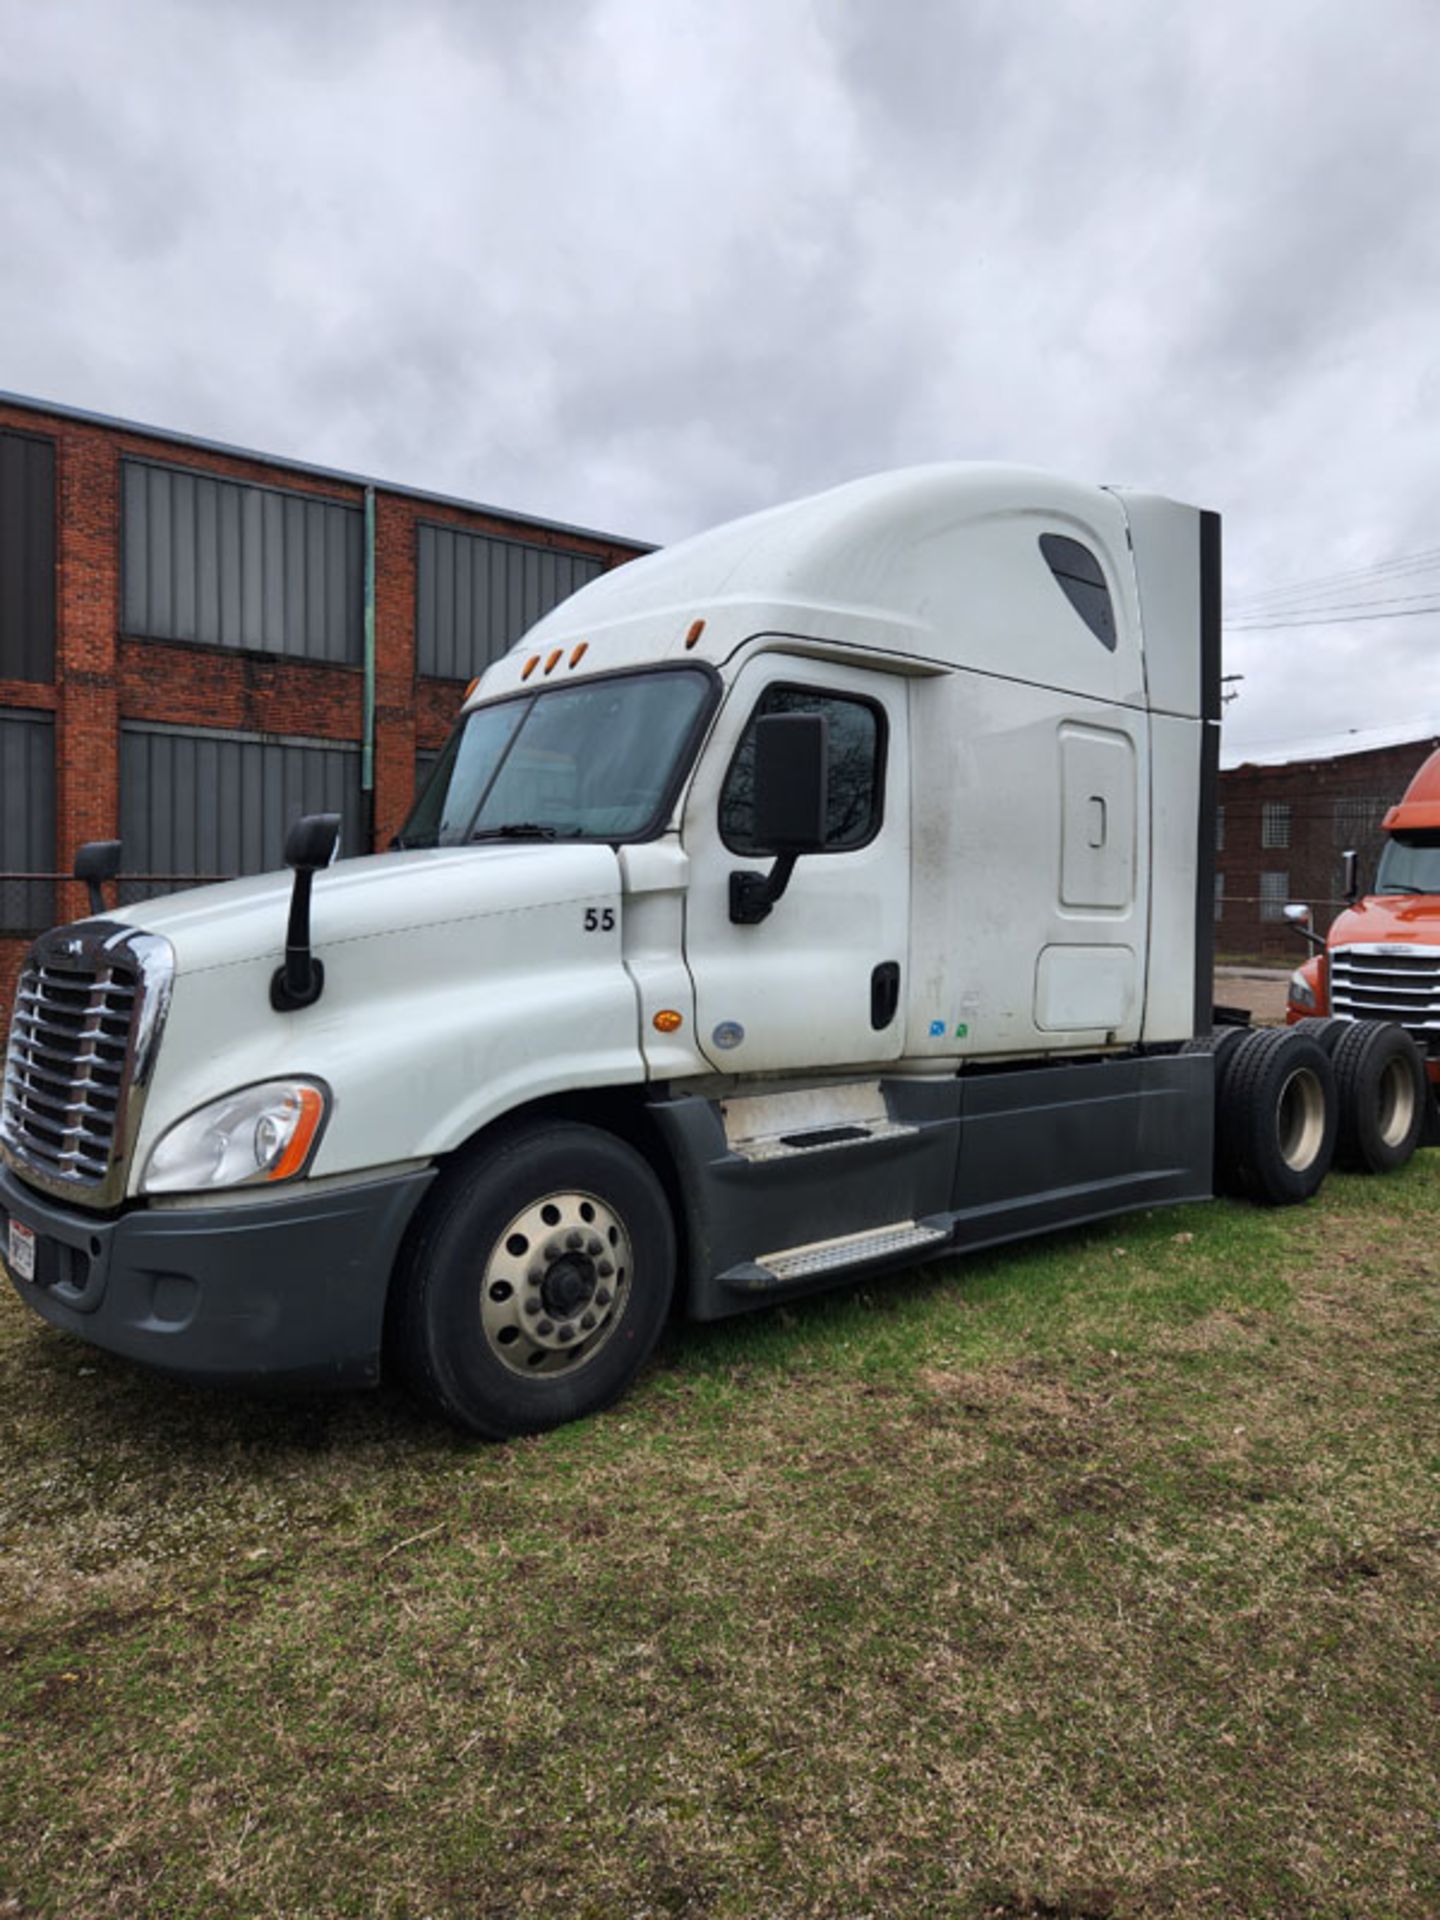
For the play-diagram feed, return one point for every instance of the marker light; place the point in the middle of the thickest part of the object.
(667, 1020)
(697, 627)
(554, 657)
(470, 689)
(255, 1136)
(530, 666)
(579, 653)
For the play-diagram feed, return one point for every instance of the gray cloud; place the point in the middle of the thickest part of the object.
(648, 266)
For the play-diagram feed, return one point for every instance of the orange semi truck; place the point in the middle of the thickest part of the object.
(1380, 960)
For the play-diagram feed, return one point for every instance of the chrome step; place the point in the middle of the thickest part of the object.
(850, 1250)
(825, 1139)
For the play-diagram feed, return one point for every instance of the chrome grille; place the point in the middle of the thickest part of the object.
(88, 1005)
(1395, 982)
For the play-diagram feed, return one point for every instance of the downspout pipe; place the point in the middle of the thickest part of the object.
(367, 723)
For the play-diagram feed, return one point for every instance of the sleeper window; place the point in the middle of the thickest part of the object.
(1079, 577)
(856, 767)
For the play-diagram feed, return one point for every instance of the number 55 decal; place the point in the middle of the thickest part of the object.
(599, 919)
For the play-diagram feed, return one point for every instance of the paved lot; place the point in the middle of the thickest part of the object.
(1261, 990)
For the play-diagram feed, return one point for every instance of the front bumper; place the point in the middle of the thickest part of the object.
(289, 1291)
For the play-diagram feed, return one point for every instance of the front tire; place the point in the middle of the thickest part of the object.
(537, 1280)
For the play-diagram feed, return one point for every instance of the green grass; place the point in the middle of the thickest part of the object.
(1092, 1578)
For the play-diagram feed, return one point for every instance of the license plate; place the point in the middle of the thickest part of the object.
(22, 1250)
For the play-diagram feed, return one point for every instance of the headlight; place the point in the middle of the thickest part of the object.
(1302, 994)
(252, 1137)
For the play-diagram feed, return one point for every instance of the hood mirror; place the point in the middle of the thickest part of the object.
(310, 845)
(1302, 920)
(1350, 876)
(95, 863)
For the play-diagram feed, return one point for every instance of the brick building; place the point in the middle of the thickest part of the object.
(1284, 822)
(198, 642)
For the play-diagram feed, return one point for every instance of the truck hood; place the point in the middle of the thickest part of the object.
(374, 895)
(1379, 918)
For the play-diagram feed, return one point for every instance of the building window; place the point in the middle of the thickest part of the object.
(231, 565)
(1079, 577)
(476, 594)
(1275, 823)
(27, 821)
(1274, 892)
(202, 803)
(1219, 896)
(856, 767)
(27, 557)
(1219, 829)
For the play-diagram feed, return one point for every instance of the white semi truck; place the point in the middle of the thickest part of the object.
(825, 893)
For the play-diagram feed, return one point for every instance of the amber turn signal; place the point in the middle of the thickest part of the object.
(668, 1020)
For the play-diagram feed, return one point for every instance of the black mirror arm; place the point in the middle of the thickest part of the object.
(752, 895)
(301, 980)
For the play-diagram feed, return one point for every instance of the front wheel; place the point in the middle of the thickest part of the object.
(537, 1280)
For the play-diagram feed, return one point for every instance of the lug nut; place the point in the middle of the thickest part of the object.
(604, 1269)
(587, 1321)
(574, 1241)
(594, 1244)
(545, 1326)
(533, 1306)
(565, 1334)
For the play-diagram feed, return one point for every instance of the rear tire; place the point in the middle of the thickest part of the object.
(1380, 1079)
(1322, 1029)
(1276, 1116)
(536, 1281)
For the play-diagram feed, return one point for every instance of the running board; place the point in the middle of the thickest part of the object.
(822, 1257)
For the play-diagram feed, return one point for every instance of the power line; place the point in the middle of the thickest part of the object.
(1379, 570)
(1326, 620)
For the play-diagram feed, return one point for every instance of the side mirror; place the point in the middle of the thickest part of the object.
(1302, 920)
(791, 781)
(1350, 870)
(95, 863)
(309, 845)
(792, 757)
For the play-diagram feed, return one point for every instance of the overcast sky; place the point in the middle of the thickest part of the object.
(644, 264)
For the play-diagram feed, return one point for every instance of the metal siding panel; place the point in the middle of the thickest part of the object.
(207, 562)
(13, 648)
(466, 652)
(272, 572)
(425, 599)
(317, 624)
(354, 584)
(513, 617)
(183, 557)
(252, 568)
(185, 804)
(231, 632)
(27, 819)
(27, 558)
(445, 606)
(135, 547)
(295, 637)
(157, 613)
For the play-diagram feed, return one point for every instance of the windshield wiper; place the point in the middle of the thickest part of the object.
(522, 830)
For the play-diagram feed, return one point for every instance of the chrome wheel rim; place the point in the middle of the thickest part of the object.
(1396, 1102)
(556, 1284)
(1300, 1119)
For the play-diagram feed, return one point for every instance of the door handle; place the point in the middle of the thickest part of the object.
(884, 994)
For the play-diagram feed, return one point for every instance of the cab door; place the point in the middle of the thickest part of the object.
(821, 980)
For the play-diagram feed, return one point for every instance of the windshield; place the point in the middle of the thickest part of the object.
(591, 760)
(1410, 864)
